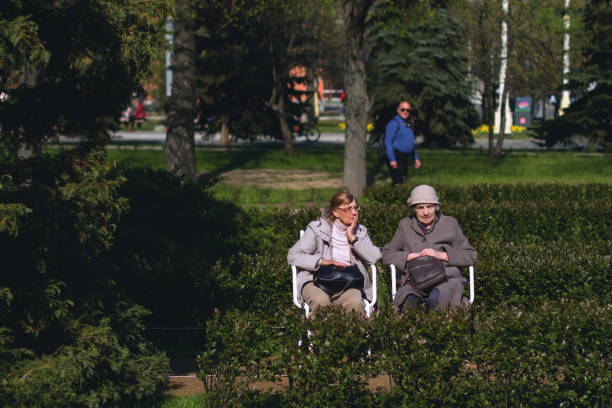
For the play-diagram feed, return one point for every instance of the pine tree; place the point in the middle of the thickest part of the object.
(423, 62)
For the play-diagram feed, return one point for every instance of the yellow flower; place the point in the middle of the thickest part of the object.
(370, 126)
(481, 131)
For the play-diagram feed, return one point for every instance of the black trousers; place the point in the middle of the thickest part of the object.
(399, 174)
(430, 301)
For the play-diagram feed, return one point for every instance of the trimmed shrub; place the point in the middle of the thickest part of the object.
(554, 355)
(521, 222)
(521, 192)
(422, 353)
(527, 275)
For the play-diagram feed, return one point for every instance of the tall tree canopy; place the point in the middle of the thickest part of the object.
(70, 66)
(247, 50)
(418, 54)
(590, 116)
(534, 60)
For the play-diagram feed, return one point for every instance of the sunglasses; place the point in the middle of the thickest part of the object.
(404, 110)
(347, 209)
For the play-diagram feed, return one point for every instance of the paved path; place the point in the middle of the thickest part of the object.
(150, 137)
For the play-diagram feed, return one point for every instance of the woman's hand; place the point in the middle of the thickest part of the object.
(411, 256)
(349, 231)
(441, 255)
(325, 262)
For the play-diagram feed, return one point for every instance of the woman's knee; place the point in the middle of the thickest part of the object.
(351, 300)
(314, 296)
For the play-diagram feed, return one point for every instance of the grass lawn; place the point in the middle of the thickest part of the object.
(451, 167)
(439, 166)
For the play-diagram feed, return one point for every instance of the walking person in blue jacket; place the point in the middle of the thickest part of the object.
(399, 145)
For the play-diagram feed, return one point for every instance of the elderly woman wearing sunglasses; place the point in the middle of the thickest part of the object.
(335, 246)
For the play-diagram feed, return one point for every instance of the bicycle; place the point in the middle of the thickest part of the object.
(310, 131)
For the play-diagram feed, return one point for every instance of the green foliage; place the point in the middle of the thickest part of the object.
(96, 370)
(423, 62)
(553, 355)
(237, 344)
(422, 353)
(325, 359)
(71, 66)
(167, 243)
(68, 336)
(245, 57)
(588, 115)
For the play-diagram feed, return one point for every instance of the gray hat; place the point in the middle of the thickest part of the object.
(423, 194)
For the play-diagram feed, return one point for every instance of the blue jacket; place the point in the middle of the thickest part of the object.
(399, 136)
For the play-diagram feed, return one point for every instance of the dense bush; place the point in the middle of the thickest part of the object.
(68, 337)
(167, 242)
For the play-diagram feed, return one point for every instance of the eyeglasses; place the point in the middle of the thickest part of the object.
(404, 110)
(347, 209)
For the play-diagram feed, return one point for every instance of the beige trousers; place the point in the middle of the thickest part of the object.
(350, 299)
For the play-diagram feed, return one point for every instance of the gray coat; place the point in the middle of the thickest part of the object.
(315, 244)
(446, 235)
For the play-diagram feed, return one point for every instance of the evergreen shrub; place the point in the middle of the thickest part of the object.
(68, 336)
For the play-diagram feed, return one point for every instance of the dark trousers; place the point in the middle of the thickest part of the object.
(399, 174)
(430, 301)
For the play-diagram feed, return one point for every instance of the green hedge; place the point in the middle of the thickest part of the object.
(496, 192)
(523, 275)
(526, 275)
(556, 354)
(537, 334)
(526, 222)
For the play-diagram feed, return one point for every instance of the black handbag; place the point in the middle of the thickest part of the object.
(334, 279)
(424, 273)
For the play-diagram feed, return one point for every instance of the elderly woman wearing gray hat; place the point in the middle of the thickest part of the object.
(428, 233)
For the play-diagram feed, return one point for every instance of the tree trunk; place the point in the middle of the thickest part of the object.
(356, 102)
(180, 145)
(29, 145)
(225, 120)
(502, 81)
(502, 125)
(284, 126)
(490, 112)
(277, 104)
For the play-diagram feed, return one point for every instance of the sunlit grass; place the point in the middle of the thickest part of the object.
(439, 166)
(450, 167)
(168, 401)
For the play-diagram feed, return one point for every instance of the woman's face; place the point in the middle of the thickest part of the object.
(347, 213)
(425, 213)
